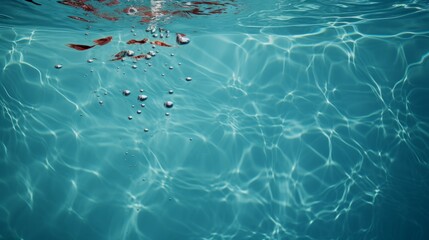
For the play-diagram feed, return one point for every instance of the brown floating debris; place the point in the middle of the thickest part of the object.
(80, 47)
(133, 41)
(159, 43)
(103, 41)
(100, 42)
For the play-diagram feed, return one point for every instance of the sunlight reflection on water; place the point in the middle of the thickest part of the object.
(309, 128)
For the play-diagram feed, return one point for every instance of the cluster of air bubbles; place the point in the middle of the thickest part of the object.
(135, 56)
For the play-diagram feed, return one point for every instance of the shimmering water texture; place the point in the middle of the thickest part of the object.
(278, 120)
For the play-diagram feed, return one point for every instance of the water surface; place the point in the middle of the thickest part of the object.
(303, 120)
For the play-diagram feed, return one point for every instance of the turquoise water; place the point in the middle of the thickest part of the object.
(304, 119)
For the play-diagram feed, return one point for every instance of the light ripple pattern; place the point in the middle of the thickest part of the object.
(303, 120)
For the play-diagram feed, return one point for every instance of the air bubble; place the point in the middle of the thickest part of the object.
(142, 97)
(130, 53)
(168, 104)
(126, 92)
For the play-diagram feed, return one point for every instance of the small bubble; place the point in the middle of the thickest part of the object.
(170, 91)
(134, 66)
(180, 63)
(168, 104)
(172, 54)
(90, 60)
(139, 111)
(188, 79)
(100, 102)
(58, 66)
(142, 105)
(171, 67)
(142, 97)
(146, 130)
(162, 74)
(132, 106)
(141, 90)
(126, 92)
(130, 53)
(130, 117)
(167, 114)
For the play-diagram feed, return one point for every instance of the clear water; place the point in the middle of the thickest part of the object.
(304, 119)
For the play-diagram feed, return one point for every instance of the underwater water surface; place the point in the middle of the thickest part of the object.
(300, 119)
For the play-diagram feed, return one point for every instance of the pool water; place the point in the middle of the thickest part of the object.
(299, 119)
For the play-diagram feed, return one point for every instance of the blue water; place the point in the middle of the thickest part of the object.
(304, 119)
